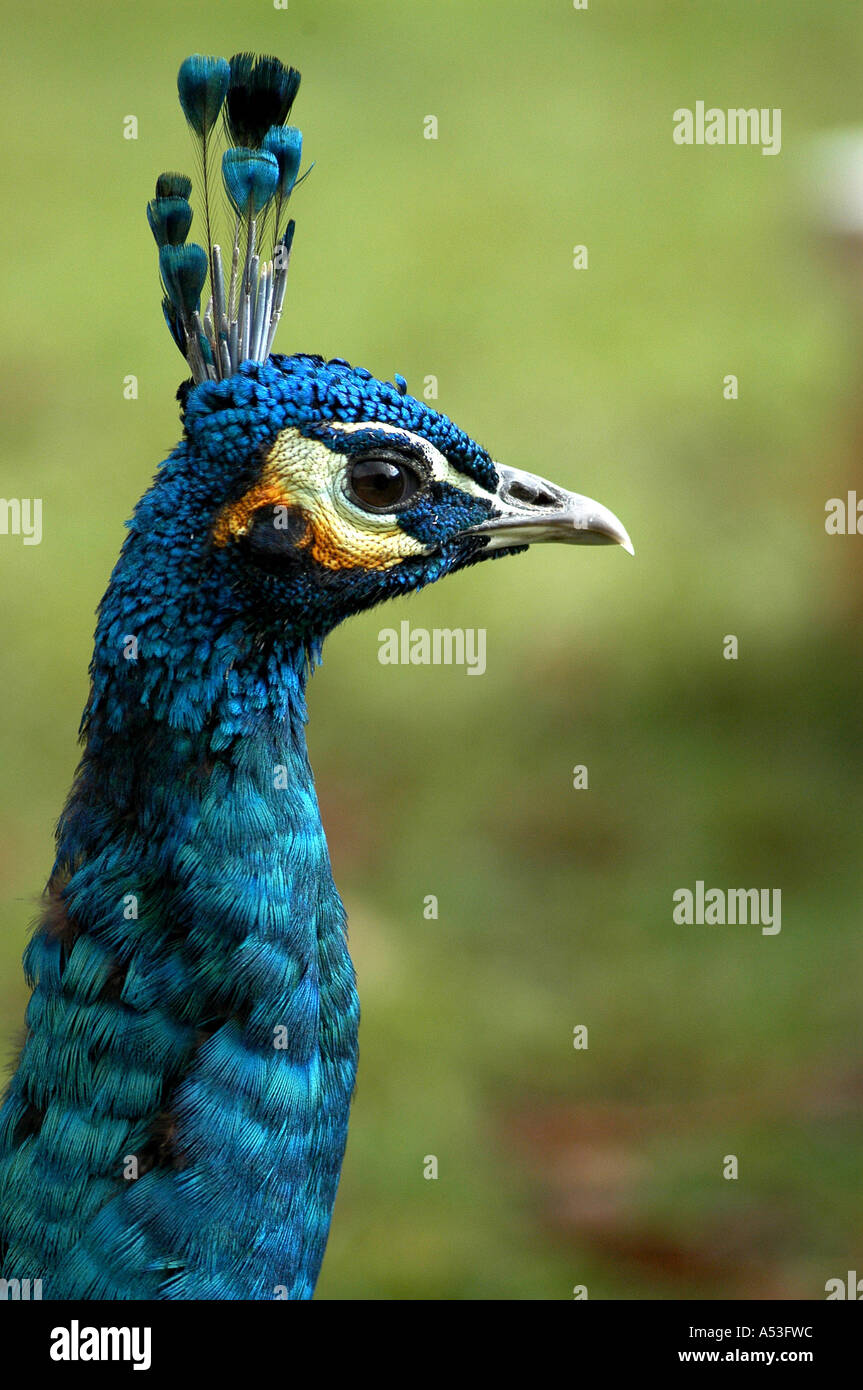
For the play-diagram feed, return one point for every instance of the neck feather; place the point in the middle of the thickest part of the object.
(194, 930)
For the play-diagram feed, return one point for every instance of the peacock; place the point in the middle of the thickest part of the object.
(177, 1120)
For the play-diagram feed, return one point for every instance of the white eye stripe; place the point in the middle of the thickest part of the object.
(382, 428)
(441, 470)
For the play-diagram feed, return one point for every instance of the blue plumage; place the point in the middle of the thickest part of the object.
(184, 271)
(177, 1120)
(170, 220)
(285, 143)
(260, 95)
(251, 178)
(259, 169)
(173, 186)
(202, 85)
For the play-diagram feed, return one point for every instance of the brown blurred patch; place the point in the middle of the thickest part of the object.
(595, 832)
(592, 1162)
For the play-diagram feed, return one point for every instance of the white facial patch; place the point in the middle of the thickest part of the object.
(307, 476)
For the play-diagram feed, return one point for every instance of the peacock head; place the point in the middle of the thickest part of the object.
(305, 489)
(333, 490)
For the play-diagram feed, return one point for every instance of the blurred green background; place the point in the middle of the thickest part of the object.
(454, 258)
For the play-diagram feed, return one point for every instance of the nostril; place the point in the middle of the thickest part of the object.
(517, 492)
(530, 496)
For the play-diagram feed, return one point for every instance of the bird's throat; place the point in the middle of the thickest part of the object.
(195, 937)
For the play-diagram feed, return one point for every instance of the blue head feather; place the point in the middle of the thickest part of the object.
(261, 93)
(202, 84)
(184, 270)
(247, 287)
(286, 240)
(175, 324)
(170, 220)
(251, 178)
(173, 186)
(286, 144)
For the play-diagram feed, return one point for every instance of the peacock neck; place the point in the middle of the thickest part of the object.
(176, 1126)
(192, 858)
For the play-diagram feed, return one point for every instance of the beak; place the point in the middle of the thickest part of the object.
(532, 510)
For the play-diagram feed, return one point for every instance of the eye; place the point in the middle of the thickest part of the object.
(383, 482)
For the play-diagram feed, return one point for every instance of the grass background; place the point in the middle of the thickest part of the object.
(454, 258)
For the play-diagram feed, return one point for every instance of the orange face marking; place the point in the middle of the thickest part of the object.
(233, 520)
(306, 476)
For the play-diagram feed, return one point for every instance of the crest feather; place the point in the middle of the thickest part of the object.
(260, 170)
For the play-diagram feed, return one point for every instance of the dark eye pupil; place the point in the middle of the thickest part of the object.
(380, 483)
